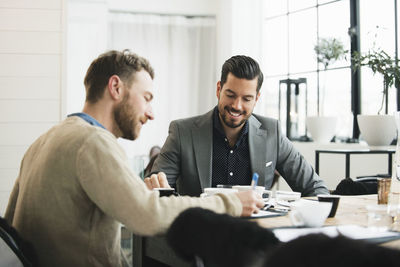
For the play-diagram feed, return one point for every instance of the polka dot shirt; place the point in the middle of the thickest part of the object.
(230, 165)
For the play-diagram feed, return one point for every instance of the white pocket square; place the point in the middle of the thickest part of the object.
(269, 163)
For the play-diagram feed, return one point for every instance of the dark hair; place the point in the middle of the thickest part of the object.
(122, 63)
(242, 67)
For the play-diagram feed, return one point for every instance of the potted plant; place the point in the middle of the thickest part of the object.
(378, 129)
(380, 62)
(323, 128)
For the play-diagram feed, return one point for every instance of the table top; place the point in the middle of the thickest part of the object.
(351, 210)
(358, 151)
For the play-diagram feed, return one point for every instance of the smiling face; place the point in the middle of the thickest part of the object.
(134, 109)
(236, 100)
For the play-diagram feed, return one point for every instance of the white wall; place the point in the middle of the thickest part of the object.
(31, 58)
(86, 39)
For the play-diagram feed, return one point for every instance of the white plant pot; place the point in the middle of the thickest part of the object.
(377, 130)
(321, 128)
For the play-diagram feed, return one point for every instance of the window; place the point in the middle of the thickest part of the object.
(291, 30)
(377, 29)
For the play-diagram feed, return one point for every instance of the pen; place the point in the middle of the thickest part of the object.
(254, 181)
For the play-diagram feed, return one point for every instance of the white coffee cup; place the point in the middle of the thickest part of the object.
(209, 191)
(260, 190)
(309, 213)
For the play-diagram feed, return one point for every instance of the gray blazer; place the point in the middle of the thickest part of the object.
(186, 156)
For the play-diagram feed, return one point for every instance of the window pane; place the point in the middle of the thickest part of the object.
(338, 30)
(377, 25)
(377, 20)
(371, 97)
(300, 4)
(289, 52)
(267, 105)
(302, 37)
(275, 7)
(335, 98)
(276, 43)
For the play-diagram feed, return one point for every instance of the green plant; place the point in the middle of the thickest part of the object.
(379, 62)
(329, 50)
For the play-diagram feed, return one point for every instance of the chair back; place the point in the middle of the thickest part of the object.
(14, 251)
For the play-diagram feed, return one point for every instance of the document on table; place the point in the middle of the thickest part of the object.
(350, 231)
(266, 214)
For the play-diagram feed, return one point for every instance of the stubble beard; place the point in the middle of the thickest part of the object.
(232, 124)
(124, 116)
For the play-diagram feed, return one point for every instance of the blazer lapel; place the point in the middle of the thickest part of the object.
(257, 146)
(202, 133)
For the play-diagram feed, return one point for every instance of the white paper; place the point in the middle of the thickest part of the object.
(350, 231)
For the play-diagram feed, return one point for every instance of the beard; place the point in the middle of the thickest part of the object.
(229, 122)
(126, 119)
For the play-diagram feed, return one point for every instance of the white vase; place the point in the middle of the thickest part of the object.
(377, 130)
(321, 128)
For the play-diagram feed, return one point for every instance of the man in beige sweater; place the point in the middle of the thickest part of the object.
(75, 185)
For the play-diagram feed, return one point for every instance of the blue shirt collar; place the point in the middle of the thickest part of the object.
(89, 119)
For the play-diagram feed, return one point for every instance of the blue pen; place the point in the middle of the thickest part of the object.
(254, 181)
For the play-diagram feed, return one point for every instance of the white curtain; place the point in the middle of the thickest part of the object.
(182, 52)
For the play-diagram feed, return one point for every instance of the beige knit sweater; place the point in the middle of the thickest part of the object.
(74, 189)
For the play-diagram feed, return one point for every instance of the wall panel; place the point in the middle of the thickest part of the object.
(13, 42)
(24, 87)
(45, 4)
(7, 179)
(29, 110)
(21, 134)
(30, 65)
(10, 156)
(30, 20)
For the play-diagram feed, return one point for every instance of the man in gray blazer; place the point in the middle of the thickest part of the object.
(230, 143)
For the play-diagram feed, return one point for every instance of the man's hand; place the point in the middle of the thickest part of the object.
(158, 180)
(251, 202)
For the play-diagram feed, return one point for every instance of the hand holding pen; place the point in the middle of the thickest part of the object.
(251, 201)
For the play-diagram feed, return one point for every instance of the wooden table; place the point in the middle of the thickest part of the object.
(351, 210)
